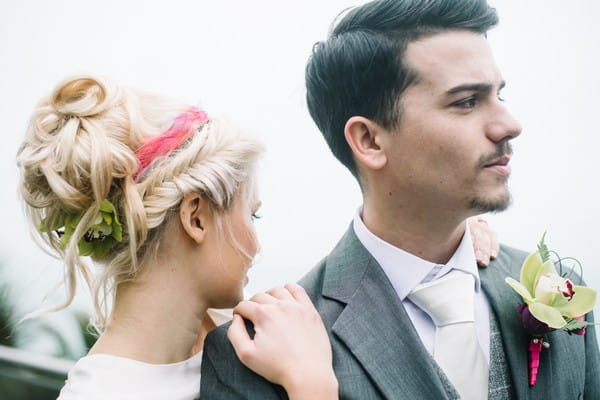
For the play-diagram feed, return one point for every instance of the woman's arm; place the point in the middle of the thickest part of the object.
(290, 346)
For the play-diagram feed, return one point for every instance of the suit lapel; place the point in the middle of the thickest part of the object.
(559, 366)
(377, 331)
(504, 302)
(374, 325)
(515, 339)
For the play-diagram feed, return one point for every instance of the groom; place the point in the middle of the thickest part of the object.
(408, 97)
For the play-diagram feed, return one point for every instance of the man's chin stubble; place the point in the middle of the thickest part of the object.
(485, 205)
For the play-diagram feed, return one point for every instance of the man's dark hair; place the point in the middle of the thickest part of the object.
(360, 69)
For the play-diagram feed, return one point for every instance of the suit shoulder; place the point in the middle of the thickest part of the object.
(225, 377)
(512, 252)
(217, 343)
(511, 257)
(312, 282)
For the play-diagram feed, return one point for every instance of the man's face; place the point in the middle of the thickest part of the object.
(451, 148)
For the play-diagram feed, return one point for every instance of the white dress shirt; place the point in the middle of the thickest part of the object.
(405, 271)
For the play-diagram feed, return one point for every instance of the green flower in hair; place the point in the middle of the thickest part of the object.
(97, 241)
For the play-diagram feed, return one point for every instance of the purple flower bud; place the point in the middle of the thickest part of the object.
(531, 324)
(581, 331)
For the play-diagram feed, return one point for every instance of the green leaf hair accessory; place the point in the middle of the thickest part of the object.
(97, 241)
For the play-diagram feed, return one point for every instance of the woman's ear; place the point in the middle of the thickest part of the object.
(195, 215)
(364, 137)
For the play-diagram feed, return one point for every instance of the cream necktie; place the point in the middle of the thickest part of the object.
(449, 301)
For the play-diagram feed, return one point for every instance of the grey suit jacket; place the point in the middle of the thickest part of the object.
(377, 353)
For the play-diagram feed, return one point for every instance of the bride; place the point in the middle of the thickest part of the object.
(161, 197)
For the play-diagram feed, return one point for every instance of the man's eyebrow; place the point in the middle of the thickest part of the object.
(475, 87)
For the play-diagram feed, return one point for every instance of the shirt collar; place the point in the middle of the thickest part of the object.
(404, 270)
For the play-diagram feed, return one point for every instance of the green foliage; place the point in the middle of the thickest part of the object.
(89, 334)
(574, 325)
(7, 337)
(543, 249)
(105, 232)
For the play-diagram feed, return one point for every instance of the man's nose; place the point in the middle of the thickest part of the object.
(503, 125)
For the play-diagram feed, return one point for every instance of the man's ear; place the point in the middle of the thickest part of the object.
(195, 215)
(364, 138)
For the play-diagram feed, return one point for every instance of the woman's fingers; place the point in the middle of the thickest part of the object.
(290, 343)
(280, 293)
(298, 293)
(247, 309)
(482, 251)
(495, 245)
(289, 293)
(485, 241)
(239, 338)
(263, 298)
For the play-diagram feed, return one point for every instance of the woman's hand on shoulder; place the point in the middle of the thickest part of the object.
(290, 346)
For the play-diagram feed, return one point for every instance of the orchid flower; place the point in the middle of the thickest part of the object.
(552, 299)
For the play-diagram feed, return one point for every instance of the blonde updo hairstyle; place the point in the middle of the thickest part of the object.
(79, 149)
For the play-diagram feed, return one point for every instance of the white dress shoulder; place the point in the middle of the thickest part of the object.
(104, 376)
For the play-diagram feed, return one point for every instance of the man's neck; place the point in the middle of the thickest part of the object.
(425, 234)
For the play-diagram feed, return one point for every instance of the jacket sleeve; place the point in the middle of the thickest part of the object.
(592, 361)
(225, 377)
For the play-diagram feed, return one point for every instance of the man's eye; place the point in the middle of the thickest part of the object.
(256, 216)
(469, 102)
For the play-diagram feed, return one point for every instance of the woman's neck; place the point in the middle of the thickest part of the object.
(158, 318)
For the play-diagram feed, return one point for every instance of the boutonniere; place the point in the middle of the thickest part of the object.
(552, 300)
(97, 241)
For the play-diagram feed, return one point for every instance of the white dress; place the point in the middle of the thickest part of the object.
(104, 376)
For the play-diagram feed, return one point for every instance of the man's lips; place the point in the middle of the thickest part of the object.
(499, 165)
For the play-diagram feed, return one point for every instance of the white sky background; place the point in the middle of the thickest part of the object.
(245, 60)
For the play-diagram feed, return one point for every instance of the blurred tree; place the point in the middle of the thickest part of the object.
(89, 334)
(7, 321)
